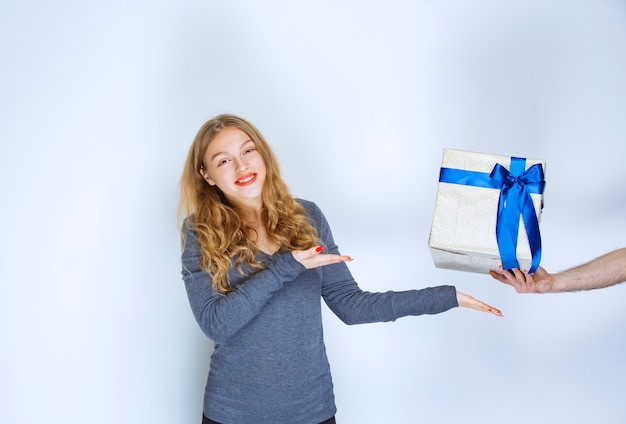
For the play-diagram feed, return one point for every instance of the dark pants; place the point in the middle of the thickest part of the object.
(205, 420)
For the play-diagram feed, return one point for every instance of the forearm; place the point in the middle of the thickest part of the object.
(221, 316)
(366, 307)
(355, 306)
(604, 271)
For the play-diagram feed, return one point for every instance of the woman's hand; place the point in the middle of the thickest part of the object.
(467, 301)
(312, 258)
(523, 282)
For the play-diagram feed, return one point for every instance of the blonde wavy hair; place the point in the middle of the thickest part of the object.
(222, 234)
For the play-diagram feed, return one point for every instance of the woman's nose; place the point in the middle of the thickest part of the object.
(241, 164)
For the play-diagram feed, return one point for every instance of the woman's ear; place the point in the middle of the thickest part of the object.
(205, 176)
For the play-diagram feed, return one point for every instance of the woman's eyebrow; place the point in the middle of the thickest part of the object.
(226, 153)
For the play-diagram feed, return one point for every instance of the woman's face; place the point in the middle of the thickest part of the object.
(232, 163)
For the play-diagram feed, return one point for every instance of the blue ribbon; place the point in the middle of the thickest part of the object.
(515, 188)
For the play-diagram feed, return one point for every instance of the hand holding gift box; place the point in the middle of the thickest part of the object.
(487, 212)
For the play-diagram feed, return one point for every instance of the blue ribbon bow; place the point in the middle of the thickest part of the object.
(515, 188)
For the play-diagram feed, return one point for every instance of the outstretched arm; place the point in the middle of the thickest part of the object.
(604, 271)
(354, 306)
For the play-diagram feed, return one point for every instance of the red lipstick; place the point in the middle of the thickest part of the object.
(246, 179)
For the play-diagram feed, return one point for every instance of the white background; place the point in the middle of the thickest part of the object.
(101, 100)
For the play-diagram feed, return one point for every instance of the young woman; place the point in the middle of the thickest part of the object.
(256, 263)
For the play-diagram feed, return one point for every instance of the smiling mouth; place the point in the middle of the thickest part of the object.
(246, 179)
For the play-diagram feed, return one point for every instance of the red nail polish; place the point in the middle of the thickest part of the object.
(318, 249)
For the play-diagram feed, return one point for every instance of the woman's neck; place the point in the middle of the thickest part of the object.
(253, 218)
(249, 212)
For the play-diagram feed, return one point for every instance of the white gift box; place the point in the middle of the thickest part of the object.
(463, 232)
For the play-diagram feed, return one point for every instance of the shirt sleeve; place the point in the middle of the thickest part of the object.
(355, 306)
(220, 316)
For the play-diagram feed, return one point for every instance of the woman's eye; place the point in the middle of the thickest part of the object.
(222, 162)
(248, 150)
